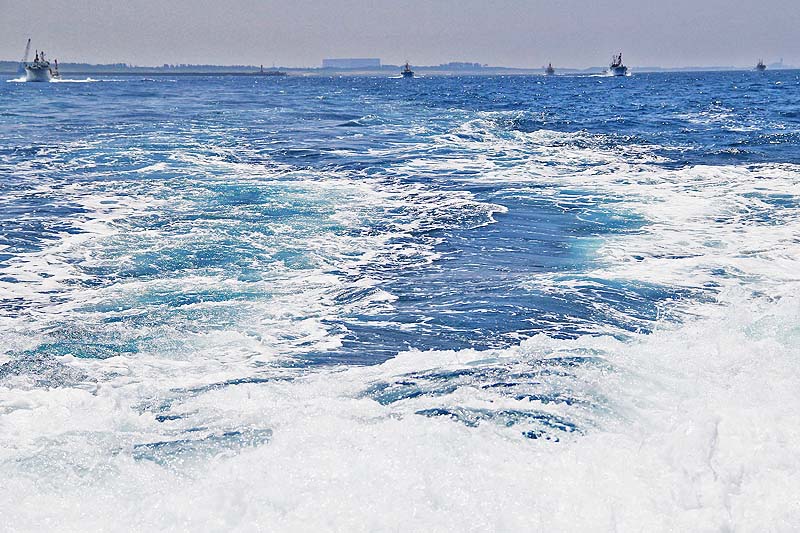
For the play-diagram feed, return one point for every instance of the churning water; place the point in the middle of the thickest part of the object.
(364, 304)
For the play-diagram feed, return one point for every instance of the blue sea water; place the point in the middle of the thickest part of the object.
(445, 303)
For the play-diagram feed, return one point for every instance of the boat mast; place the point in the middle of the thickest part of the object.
(27, 52)
(24, 61)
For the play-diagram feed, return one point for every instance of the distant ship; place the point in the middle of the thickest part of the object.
(407, 72)
(617, 68)
(273, 72)
(39, 70)
(761, 67)
(549, 71)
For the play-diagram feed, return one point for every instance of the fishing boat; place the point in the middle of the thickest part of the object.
(761, 67)
(272, 72)
(617, 68)
(407, 72)
(549, 71)
(39, 70)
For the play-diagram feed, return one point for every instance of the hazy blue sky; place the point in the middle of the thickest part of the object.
(501, 32)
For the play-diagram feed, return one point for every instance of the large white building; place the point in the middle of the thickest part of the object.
(352, 62)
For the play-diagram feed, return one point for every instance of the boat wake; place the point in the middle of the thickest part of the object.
(659, 430)
(84, 80)
(62, 80)
(475, 320)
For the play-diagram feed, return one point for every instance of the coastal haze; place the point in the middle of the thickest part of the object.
(572, 33)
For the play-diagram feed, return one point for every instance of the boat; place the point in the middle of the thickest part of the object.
(273, 72)
(617, 68)
(549, 71)
(761, 67)
(39, 70)
(407, 72)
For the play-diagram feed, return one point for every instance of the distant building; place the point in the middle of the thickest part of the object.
(352, 62)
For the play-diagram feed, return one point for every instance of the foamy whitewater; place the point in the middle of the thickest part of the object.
(365, 304)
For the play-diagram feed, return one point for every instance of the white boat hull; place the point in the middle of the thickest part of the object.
(37, 74)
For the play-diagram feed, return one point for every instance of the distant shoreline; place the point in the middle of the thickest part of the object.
(9, 68)
(354, 74)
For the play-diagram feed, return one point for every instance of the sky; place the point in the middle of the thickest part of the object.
(300, 33)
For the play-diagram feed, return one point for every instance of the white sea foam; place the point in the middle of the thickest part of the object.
(692, 427)
(98, 272)
(705, 224)
(680, 443)
(61, 80)
(82, 80)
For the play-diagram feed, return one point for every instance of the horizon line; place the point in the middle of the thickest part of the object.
(776, 65)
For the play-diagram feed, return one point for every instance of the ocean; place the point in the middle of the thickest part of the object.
(527, 303)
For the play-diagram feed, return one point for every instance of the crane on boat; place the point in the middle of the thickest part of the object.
(21, 68)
